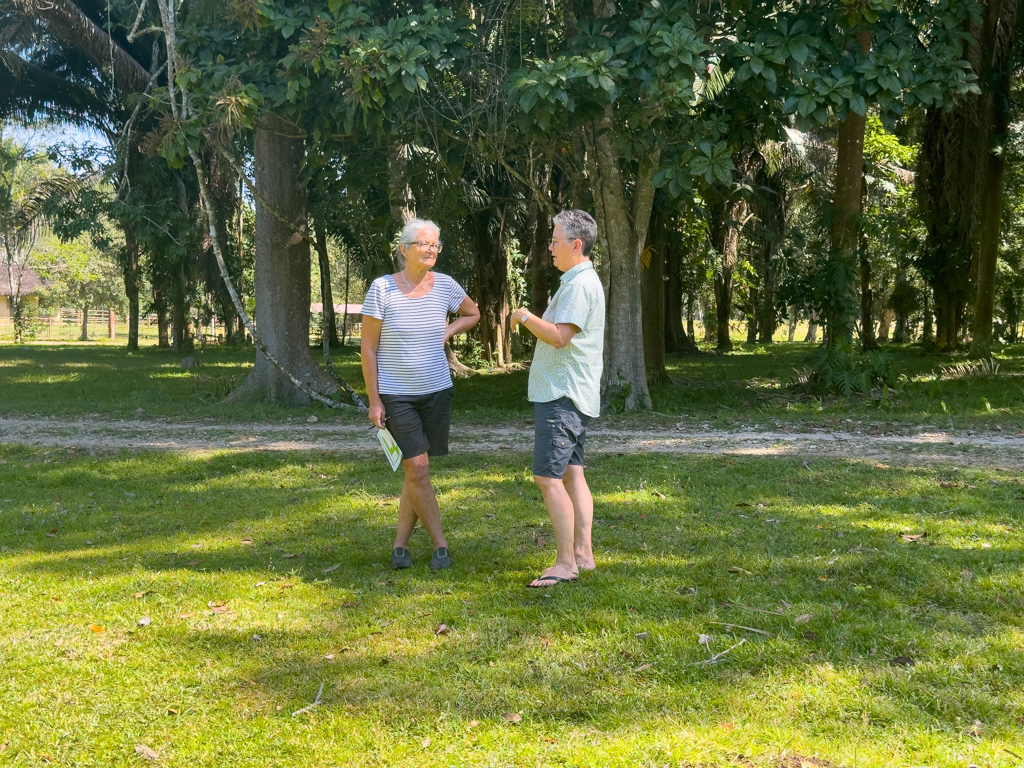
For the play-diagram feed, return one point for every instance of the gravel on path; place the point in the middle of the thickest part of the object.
(930, 446)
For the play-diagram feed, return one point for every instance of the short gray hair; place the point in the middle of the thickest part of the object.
(578, 225)
(412, 228)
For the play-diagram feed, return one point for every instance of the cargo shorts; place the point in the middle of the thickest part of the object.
(559, 432)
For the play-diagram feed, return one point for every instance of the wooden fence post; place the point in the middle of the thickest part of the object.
(112, 324)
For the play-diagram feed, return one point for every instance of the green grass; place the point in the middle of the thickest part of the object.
(108, 540)
(742, 388)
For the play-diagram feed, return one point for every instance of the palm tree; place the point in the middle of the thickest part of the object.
(29, 188)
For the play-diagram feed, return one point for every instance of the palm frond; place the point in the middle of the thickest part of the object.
(68, 23)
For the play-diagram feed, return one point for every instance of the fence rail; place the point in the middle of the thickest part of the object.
(66, 326)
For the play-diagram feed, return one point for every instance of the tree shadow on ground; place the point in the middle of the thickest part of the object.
(812, 573)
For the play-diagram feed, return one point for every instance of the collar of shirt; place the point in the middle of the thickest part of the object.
(569, 274)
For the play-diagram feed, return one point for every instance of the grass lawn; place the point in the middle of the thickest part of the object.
(724, 391)
(262, 577)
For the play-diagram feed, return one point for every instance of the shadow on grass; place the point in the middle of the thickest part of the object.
(817, 562)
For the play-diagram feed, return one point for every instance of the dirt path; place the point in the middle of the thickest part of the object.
(924, 447)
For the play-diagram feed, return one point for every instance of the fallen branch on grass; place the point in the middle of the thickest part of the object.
(316, 702)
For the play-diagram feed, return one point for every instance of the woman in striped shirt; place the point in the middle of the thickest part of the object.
(405, 328)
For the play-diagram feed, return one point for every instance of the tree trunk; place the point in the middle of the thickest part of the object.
(792, 323)
(132, 284)
(764, 312)
(927, 330)
(652, 299)
(847, 204)
(622, 232)
(673, 298)
(885, 317)
(85, 323)
(282, 269)
(991, 213)
(867, 301)
(707, 321)
(162, 331)
(947, 317)
(677, 340)
(689, 319)
(812, 329)
(771, 210)
(752, 317)
(400, 198)
(540, 257)
(727, 242)
(326, 294)
(492, 287)
(180, 317)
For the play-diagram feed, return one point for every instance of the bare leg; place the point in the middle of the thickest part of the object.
(418, 496)
(406, 519)
(583, 510)
(560, 511)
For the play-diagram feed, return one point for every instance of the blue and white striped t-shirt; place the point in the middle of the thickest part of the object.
(410, 356)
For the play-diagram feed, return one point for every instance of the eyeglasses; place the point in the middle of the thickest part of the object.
(567, 242)
(428, 246)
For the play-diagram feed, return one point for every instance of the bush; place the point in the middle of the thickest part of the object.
(842, 370)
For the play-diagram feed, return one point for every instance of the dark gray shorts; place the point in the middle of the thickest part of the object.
(558, 435)
(419, 423)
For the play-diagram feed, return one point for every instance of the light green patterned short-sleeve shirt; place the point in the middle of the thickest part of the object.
(574, 371)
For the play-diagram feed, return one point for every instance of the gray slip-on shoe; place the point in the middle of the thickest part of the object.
(441, 558)
(401, 558)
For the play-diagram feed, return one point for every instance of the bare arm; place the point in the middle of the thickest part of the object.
(368, 352)
(469, 315)
(558, 335)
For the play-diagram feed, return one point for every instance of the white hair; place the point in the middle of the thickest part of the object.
(412, 228)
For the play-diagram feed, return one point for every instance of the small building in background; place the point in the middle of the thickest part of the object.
(354, 311)
(31, 285)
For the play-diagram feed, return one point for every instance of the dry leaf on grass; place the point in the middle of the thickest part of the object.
(145, 592)
(145, 621)
(217, 607)
(173, 711)
(546, 641)
(541, 542)
(143, 751)
(247, 541)
(642, 635)
(290, 554)
(737, 569)
(913, 536)
(334, 567)
(441, 629)
(96, 628)
(966, 574)
(349, 604)
(513, 717)
(192, 563)
(803, 618)
(811, 636)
